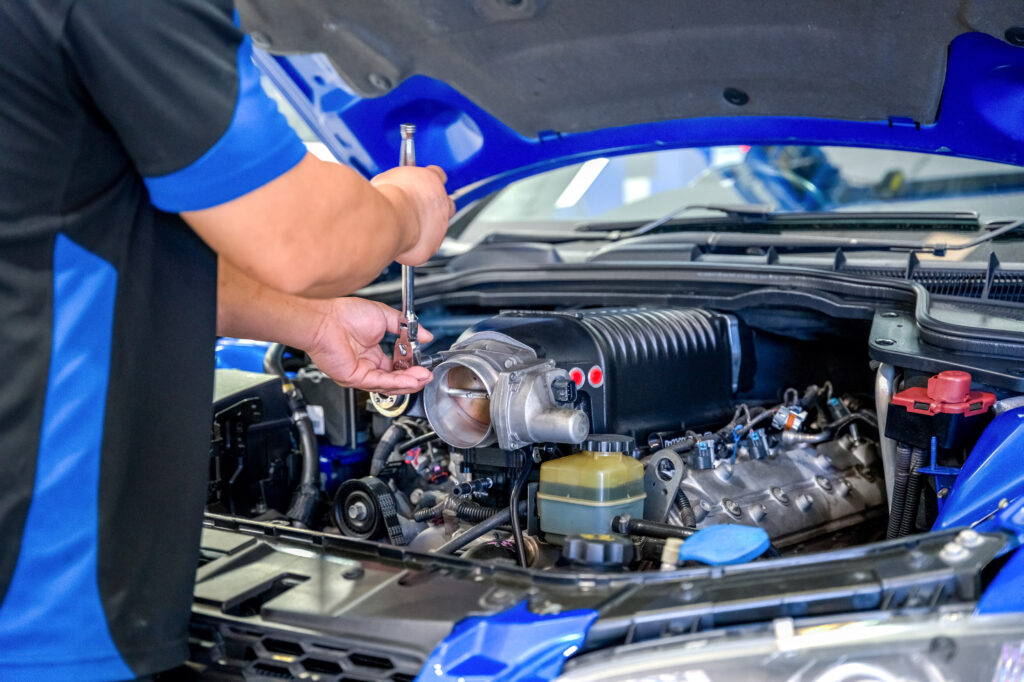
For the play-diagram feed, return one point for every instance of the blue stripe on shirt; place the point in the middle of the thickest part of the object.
(52, 623)
(257, 147)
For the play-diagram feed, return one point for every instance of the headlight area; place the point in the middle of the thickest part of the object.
(884, 647)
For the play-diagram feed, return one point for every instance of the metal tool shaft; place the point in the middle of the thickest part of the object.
(407, 348)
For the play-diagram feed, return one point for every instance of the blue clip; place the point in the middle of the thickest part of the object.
(944, 476)
(735, 442)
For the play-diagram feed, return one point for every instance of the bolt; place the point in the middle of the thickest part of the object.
(735, 96)
(969, 538)
(954, 553)
(379, 81)
(780, 495)
(942, 493)
(357, 511)
(731, 507)
(824, 483)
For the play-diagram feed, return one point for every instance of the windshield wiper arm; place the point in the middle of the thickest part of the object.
(739, 211)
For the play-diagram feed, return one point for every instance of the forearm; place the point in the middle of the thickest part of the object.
(250, 310)
(318, 230)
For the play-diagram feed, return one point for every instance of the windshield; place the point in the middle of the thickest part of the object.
(637, 188)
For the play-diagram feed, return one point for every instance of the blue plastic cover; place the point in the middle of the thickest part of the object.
(243, 354)
(1005, 594)
(993, 471)
(725, 544)
(981, 115)
(514, 645)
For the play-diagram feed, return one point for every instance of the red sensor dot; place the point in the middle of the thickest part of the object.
(596, 376)
(576, 374)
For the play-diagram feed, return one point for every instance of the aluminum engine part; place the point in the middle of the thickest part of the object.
(490, 387)
(797, 492)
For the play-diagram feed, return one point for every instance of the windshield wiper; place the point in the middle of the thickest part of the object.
(792, 242)
(738, 211)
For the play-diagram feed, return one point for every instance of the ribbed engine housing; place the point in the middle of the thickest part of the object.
(638, 370)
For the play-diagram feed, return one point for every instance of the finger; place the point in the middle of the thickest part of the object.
(404, 381)
(439, 172)
(451, 208)
(392, 317)
(425, 336)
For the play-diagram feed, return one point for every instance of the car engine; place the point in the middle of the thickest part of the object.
(560, 440)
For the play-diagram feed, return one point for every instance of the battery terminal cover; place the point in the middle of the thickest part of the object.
(947, 410)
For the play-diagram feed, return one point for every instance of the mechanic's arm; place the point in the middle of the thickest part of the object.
(342, 335)
(321, 230)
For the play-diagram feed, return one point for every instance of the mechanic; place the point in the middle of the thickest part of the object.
(152, 196)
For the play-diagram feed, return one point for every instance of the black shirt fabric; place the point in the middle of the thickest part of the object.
(114, 117)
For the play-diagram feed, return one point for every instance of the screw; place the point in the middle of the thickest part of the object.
(735, 96)
(780, 495)
(969, 538)
(943, 492)
(954, 553)
(731, 507)
(357, 511)
(378, 81)
(917, 559)
(824, 483)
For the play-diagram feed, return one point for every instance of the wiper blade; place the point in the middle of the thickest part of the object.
(793, 242)
(739, 211)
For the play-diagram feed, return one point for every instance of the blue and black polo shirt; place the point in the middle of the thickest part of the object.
(114, 116)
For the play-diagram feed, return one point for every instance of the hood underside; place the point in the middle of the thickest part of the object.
(542, 70)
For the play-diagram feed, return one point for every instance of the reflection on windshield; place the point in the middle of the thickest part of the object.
(641, 187)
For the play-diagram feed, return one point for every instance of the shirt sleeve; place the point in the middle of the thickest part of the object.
(175, 81)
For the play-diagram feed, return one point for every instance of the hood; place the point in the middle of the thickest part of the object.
(501, 89)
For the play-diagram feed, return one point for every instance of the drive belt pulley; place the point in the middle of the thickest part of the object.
(364, 508)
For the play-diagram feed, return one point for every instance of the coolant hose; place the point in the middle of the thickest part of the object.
(908, 522)
(480, 529)
(392, 435)
(307, 494)
(897, 506)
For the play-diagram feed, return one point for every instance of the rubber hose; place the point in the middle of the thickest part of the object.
(464, 509)
(385, 445)
(908, 522)
(482, 528)
(517, 531)
(899, 490)
(686, 514)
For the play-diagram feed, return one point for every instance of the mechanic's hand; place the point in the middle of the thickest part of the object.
(431, 206)
(347, 347)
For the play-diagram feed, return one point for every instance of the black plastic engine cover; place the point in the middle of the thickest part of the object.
(660, 368)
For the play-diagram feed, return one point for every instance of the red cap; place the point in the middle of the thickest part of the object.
(951, 386)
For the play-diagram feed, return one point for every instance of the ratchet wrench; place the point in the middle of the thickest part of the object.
(407, 347)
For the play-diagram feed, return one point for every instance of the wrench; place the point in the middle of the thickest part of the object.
(407, 347)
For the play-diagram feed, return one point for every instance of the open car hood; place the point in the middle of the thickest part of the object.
(501, 89)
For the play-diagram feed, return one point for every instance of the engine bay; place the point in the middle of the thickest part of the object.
(603, 439)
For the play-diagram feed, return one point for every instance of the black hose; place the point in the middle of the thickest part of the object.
(464, 509)
(417, 441)
(908, 522)
(651, 529)
(385, 446)
(307, 494)
(686, 514)
(897, 504)
(517, 530)
(482, 528)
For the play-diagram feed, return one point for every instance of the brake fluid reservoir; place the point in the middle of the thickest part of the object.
(582, 493)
